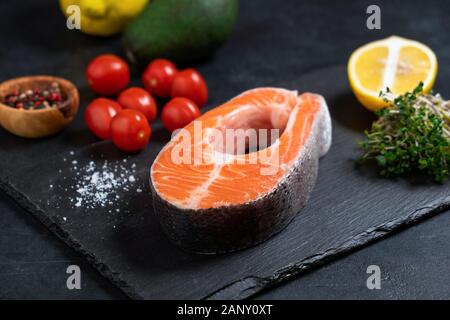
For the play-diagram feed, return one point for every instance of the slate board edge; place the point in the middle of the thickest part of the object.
(24, 202)
(248, 286)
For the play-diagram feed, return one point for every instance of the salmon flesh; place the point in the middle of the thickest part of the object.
(241, 172)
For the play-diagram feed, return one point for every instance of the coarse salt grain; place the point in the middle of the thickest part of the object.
(96, 184)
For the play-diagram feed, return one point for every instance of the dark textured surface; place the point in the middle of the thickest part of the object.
(123, 247)
(257, 62)
(413, 263)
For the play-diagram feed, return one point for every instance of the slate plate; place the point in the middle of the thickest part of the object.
(349, 207)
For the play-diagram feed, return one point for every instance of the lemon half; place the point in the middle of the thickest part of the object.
(395, 63)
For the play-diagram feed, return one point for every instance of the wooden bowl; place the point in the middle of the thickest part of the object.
(42, 122)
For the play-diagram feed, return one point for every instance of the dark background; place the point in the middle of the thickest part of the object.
(414, 263)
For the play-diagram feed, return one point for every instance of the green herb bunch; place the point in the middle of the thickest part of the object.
(413, 133)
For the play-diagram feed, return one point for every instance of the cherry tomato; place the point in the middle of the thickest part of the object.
(178, 113)
(130, 130)
(98, 116)
(158, 77)
(139, 99)
(108, 74)
(190, 84)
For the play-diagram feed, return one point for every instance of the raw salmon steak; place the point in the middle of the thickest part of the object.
(241, 172)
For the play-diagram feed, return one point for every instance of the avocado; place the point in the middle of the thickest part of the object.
(180, 30)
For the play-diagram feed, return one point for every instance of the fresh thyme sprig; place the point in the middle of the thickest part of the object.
(413, 133)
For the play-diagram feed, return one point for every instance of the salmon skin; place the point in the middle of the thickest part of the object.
(213, 199)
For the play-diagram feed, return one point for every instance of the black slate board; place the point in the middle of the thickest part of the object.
(349, 207)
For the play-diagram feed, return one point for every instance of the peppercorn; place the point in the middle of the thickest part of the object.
(36, 98)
